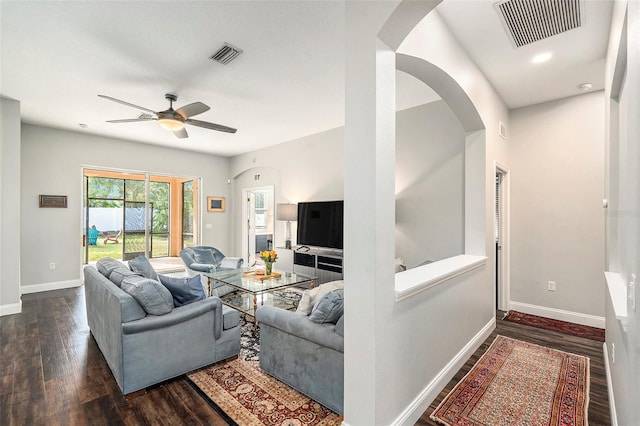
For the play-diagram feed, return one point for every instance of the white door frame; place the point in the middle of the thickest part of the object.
(504, 260)
(248, 225)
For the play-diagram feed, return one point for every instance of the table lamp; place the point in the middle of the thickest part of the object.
(288, 213)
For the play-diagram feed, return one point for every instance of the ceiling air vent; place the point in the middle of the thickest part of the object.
(226, 54)
(527, 21)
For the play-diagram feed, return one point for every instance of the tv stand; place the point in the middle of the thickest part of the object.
(325, 264)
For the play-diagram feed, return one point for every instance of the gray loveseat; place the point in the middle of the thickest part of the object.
(306, 355)
(142, 349)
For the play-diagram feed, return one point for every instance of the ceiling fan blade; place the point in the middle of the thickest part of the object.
(192, 109)
(181, 134)
(131, 120)
(211, 126)
(128, 104)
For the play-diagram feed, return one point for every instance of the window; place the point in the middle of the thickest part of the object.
(261, 213)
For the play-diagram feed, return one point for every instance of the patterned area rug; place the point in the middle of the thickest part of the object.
(572, 329)
(519, 383)
(242, 393)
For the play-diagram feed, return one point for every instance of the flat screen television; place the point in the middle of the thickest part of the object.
(320, 224)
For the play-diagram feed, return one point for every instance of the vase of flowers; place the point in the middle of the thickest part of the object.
(269, 257)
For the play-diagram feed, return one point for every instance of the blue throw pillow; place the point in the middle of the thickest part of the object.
(329, 308)
(184, 290)
(141, 265)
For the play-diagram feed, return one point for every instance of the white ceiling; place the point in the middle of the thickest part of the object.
(578, 54)
(56, 57)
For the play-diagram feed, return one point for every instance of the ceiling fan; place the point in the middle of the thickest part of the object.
(173, 120)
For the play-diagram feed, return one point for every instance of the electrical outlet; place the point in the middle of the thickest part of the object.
(613, 353)
(52, 265)
(551, 286)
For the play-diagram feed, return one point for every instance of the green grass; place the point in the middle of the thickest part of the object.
(114, 250)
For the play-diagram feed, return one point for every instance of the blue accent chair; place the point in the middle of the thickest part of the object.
(208, 259)
(199, 259)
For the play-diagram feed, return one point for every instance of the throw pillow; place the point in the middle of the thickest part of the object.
(184, 290)
(329, 308)
(106, 265)
(117, 275)
(142, 265)
(311, 296)
(154, 298)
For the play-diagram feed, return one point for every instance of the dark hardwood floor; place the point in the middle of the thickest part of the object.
(52, 372)
(598, 398)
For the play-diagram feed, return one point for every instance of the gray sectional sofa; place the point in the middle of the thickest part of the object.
(306, 355)
(143, 349)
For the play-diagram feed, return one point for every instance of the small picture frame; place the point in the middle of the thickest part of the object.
(215, 204)
(55, 201)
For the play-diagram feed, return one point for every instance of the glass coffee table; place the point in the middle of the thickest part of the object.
(245, 291)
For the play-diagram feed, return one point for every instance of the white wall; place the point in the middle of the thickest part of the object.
(430, 145)
(623, 215)
(52, 162)
(306, 169)
(10, 302)
(556, 154)
(421, 336)
(430, 188)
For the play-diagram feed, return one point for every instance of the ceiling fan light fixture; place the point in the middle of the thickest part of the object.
(171, 124)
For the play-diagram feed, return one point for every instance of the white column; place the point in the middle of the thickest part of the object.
(369, 214)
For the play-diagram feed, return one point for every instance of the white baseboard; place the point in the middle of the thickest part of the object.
(58, 285)
(558, 314)
(10, 309)
(612, 403)
(421, 403)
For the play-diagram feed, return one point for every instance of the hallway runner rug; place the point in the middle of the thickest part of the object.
(519, 383)
(245, 395)
(570, 328)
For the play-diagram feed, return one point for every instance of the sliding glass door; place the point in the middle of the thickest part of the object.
(159, 201)
(128, 214)
(188, 213)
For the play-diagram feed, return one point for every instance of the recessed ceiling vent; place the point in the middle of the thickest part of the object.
(226, 54)
(528, 21)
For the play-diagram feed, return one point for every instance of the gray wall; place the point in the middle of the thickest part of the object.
(557, 185)
(52, 162)
(429, 184)
(9, 206)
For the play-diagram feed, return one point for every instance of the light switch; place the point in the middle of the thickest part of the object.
(208, 226)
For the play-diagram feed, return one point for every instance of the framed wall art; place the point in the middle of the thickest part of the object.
(215, 204)
(58, 201)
